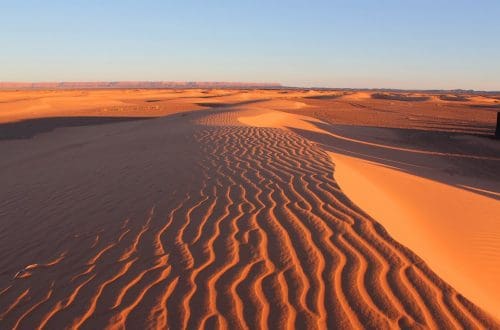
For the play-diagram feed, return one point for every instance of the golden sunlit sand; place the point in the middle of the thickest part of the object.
(248, 209)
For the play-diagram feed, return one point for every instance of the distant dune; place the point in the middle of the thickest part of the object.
(457, 98)
(399, 97)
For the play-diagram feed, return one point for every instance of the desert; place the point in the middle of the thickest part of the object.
(248, 207)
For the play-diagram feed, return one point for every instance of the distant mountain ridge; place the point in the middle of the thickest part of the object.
(8, 85)
(133, 84)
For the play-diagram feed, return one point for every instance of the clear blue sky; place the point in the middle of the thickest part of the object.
(363, 43)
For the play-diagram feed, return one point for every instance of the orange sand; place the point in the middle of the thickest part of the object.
(454, 230)
(461, 229)
(235, 216)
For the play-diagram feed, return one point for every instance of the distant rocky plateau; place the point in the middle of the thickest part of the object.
(133, 84)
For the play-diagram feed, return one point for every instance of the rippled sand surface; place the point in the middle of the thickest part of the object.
(223, 214)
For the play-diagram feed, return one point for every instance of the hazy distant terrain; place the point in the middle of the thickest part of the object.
(132, 84)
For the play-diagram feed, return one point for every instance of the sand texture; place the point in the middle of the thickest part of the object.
(227, 209)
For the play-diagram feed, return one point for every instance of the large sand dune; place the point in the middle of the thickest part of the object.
(224, 216)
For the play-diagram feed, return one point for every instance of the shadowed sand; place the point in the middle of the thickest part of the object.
(222, 217)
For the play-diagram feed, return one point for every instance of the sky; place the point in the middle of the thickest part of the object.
(408, 44)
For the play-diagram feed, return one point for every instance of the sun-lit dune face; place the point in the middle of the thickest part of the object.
(458, 246)
(356, 96)
(224, 209)
(489, 101)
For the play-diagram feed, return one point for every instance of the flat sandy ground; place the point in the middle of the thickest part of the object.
(258, 208)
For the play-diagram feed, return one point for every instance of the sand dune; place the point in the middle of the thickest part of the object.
(460, 227)
(413, 208)
(209, 219)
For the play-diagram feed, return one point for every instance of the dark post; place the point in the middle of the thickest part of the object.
(497, 132)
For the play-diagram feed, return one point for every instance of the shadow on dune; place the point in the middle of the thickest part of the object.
(466, 162)
(486, 106)
(229, 105)
(27, 129)
(324, 97)
(450, 126)
(399, 97)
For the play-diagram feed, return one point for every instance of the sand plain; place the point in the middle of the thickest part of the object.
(248, 209)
